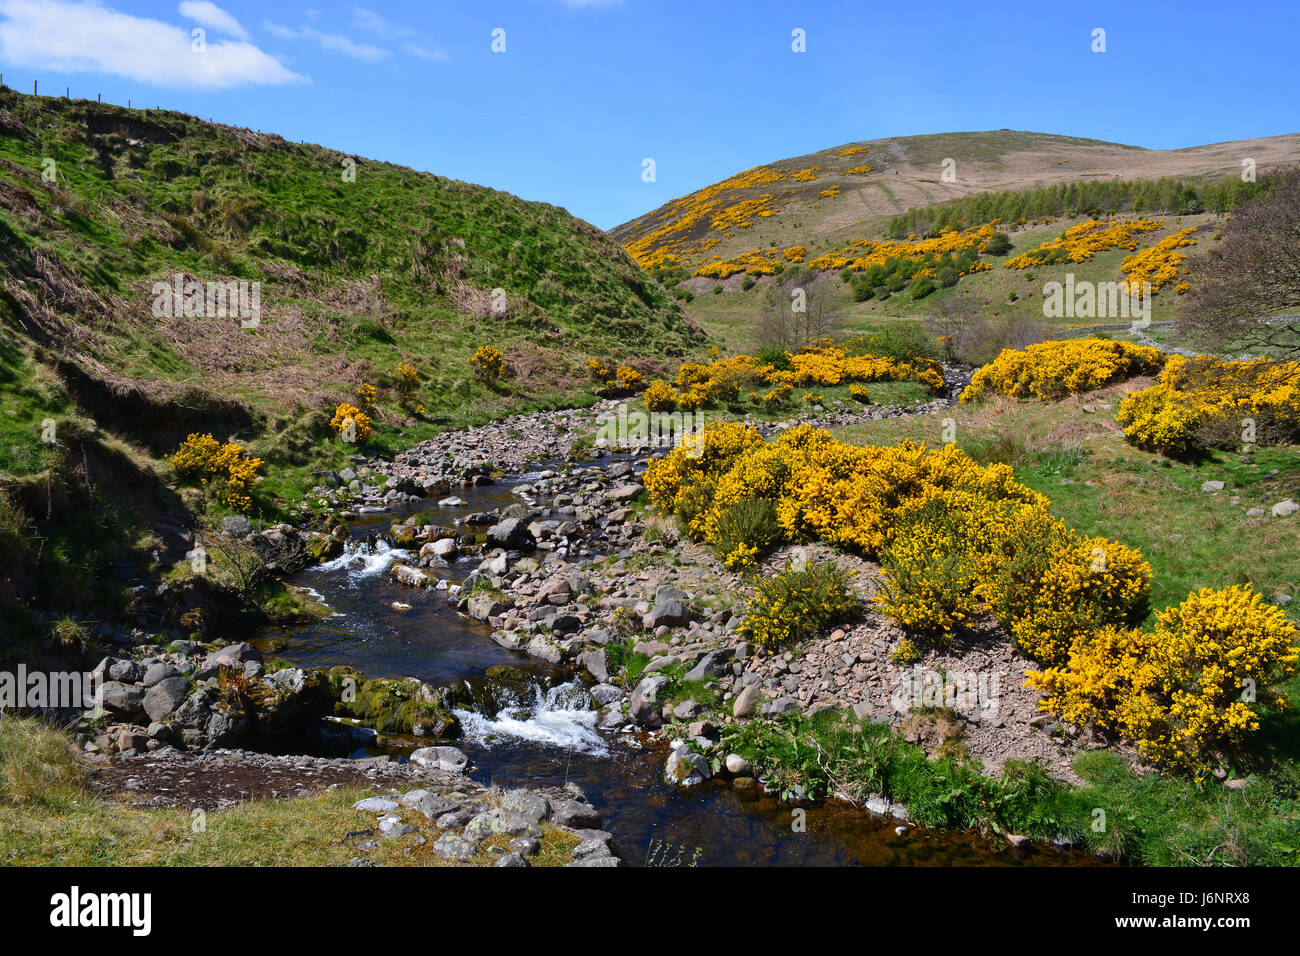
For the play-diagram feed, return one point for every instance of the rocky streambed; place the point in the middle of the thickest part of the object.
(486, 592)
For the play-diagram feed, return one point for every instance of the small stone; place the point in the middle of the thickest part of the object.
(452, 846)
(375, 805)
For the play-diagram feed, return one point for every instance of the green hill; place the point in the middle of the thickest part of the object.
(350, 267)
(796, 221)
(360, 265)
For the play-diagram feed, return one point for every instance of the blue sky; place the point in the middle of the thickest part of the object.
(586, 89)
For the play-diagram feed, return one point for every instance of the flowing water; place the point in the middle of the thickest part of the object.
(545, 733)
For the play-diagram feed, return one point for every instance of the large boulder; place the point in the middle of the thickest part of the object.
(484, 606)
(712, 664)
(232, 656)
(645, 706)
(596, 663)
(120, 700)
(208, 721)
(411, 577)
(669, 609)
(450, 759)
(747, 701)
(574, 814)
(164, 697)
(685, 768)
(159, 672)
(282, 549)
(512, 534)
(533, 807)
(444, 548)
(670, 613)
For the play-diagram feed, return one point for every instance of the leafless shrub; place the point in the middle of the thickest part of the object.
(1253, 273)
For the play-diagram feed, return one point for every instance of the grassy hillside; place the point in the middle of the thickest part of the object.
(362, 265)
(997, 293)
(906, 172)
(723, 248)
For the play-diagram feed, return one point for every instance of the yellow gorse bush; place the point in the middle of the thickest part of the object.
(223, 467)
(407, 379)
(660, 396)
(1207, 401)
(859, 254)
(488, 363)
(347, 412)
(1158, 264)
(1081, 242)
(720, 380)
(628, 378)
(1056, 368)
(957, 540)
(1189, 691)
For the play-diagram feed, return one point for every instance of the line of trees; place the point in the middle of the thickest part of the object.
(1091, 197)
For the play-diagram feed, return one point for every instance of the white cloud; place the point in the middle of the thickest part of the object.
(334, 42)
(341, 44)
(364, 19)
(369, 20)
(425, 53)
(212, 17)
(275, 29)
(87, 37)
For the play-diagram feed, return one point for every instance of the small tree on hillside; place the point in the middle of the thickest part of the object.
(1254, 273)
(950, 321)
(795, 312)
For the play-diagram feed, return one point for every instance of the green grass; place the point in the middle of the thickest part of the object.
(30, 397)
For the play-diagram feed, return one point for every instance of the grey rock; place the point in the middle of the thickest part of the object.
(164, 697)
(121, 700)
(596, 664)
(433, 805)
(532, 807)
(525, 846)
(484, 825)
(671, 612)
(595, 859)
(454, 820)
(128, 672)
(573, 813)
(712, 664)
(453, 846)
(375, 805)
(685, 768)
(605, 693)
(645, 706)
(158, 672)
(512, 533)
(747, 701)
(443, 758)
